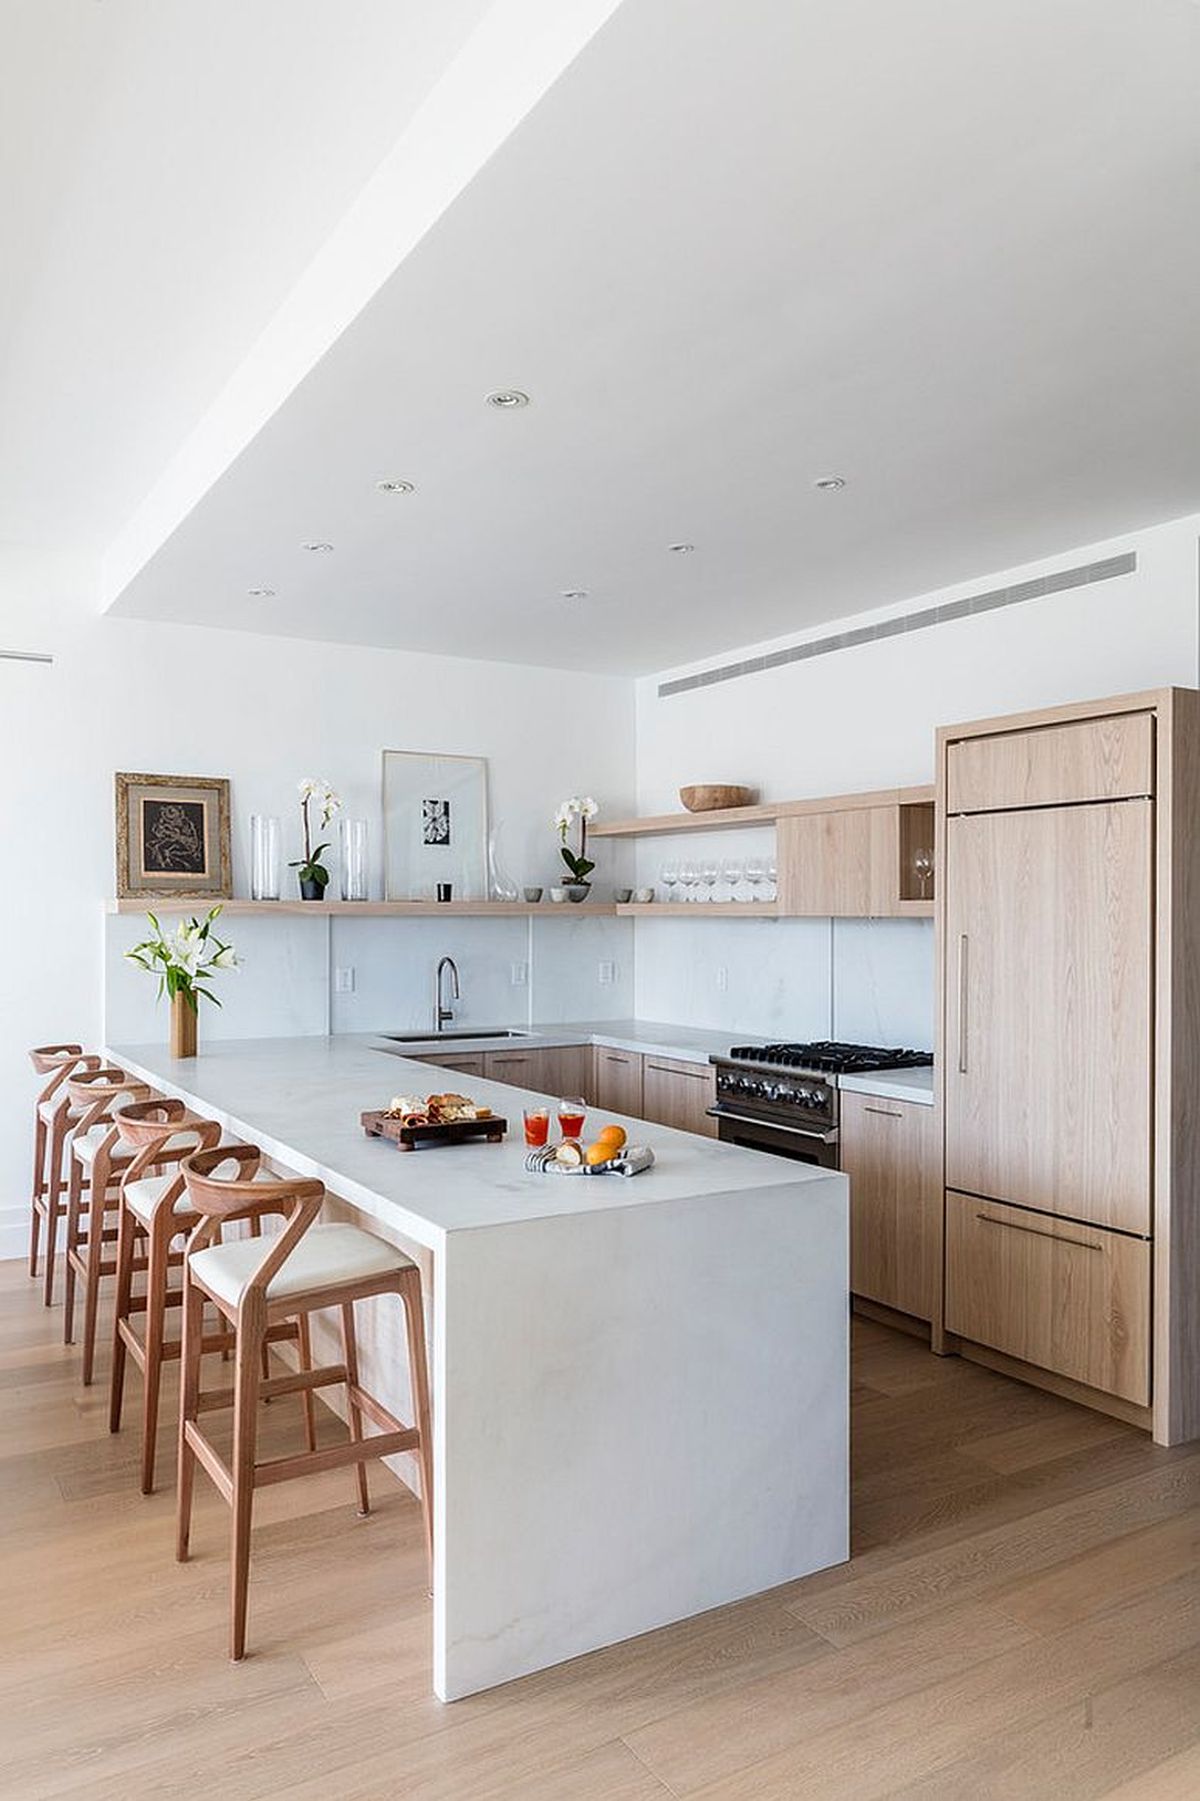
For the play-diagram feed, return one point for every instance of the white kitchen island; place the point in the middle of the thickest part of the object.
(640, 1385)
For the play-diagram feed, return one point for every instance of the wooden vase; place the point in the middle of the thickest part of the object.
(183, 1027)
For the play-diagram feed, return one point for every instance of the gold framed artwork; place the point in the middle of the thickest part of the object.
(173, 837)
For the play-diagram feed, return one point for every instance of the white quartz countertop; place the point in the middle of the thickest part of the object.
(300, 1100)
(894, 1084)
(685, 1044)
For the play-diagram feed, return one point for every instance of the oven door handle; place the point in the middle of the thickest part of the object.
(772, 1125)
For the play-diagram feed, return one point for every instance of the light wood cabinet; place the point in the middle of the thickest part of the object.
(1081, 760)
(1049, 1003)
(617, 1080)
(1068, 1298)
(560, 1072)
(566, 1071)
(891, 1151)
(854, 862)
(679, 1094)
(1069, 1049)
(465, 1063)
(521, 1068)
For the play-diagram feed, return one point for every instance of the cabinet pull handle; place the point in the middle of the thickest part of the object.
(962, 1003)
(1011, 1225)
(887, 1112)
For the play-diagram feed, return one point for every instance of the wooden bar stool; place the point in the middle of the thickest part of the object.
(256, 1285)
(154, 1212)
(53, 1117)
(97, 1165)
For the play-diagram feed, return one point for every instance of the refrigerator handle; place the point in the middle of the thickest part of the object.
(962, 1003)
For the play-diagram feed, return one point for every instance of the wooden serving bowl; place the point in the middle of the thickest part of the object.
(711, 797)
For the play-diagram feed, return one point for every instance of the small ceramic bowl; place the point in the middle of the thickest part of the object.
(622, 896)
(643, 896)
(558, 894)
(533, 894)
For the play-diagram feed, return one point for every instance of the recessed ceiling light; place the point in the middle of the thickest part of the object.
(397, 486)
(829, 484)
(316, 544)
(681, 550)
(261, 593)
(507, 400)
(575, 593)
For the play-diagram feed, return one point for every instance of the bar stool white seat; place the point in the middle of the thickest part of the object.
(326, 1257)
(143, 1196)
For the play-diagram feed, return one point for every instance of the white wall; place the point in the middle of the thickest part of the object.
(124, 694)
(865, 718)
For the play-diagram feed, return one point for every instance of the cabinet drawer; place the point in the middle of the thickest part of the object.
(521, 1068)
(1088, 759)
(617, 1082)
(1072, 1299)
(890, 1151)
(679, 1094)
(467, 1063)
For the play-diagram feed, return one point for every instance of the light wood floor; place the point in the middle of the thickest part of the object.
(1021, 1618)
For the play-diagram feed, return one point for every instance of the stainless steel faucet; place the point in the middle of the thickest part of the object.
(443, 1013)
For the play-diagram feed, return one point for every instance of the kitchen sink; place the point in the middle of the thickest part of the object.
(449, 1037)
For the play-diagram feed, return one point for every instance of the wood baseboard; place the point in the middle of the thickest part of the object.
(1095, 1398)
(888, 1316)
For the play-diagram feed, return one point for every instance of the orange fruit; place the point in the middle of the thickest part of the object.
(614, 1135)
(600, 1152)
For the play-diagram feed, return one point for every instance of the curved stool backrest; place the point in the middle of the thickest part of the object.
(220, 1199)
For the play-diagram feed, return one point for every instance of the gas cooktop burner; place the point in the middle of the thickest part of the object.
(833, 1059)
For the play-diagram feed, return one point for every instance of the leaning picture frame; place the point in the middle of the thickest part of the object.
(435, 825)
(173, 837)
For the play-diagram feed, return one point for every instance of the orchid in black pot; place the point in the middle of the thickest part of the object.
(310, 871)
(581, 808)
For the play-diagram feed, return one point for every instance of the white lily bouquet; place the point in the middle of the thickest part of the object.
(185, 962)
(584, 809)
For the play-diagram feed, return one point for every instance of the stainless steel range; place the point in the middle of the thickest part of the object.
(784, 1097)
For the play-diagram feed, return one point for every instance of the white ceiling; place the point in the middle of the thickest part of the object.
(167, 171)
(948, 251)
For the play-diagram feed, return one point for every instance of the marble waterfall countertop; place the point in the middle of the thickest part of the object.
(640, 1385)
(300, 1099)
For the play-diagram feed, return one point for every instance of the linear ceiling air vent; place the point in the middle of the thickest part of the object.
(25, 656)
(1124, 564)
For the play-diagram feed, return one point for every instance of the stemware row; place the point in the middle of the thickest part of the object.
(736, 879)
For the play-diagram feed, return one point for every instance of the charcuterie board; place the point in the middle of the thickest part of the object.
(378, 1124)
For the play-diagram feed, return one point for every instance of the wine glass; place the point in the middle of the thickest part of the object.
(731, 875)
(689, 875)
(756, 875)
(670, 876)
(772, 881)
(710, 875)
(923, 870)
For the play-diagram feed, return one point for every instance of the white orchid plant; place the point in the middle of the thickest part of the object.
(186, 959)
(315, 793)
(584, 809)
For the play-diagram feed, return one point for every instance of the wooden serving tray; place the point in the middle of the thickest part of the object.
(407, 1138)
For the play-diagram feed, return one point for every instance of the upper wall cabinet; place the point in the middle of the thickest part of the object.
(1052, 765)
(857, 861)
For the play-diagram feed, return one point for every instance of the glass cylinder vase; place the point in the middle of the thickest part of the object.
(352, 836)
(501, 886)
(264, 857)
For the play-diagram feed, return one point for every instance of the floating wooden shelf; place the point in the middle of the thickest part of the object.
(367, 909)
(703, 909)
(767, 813)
